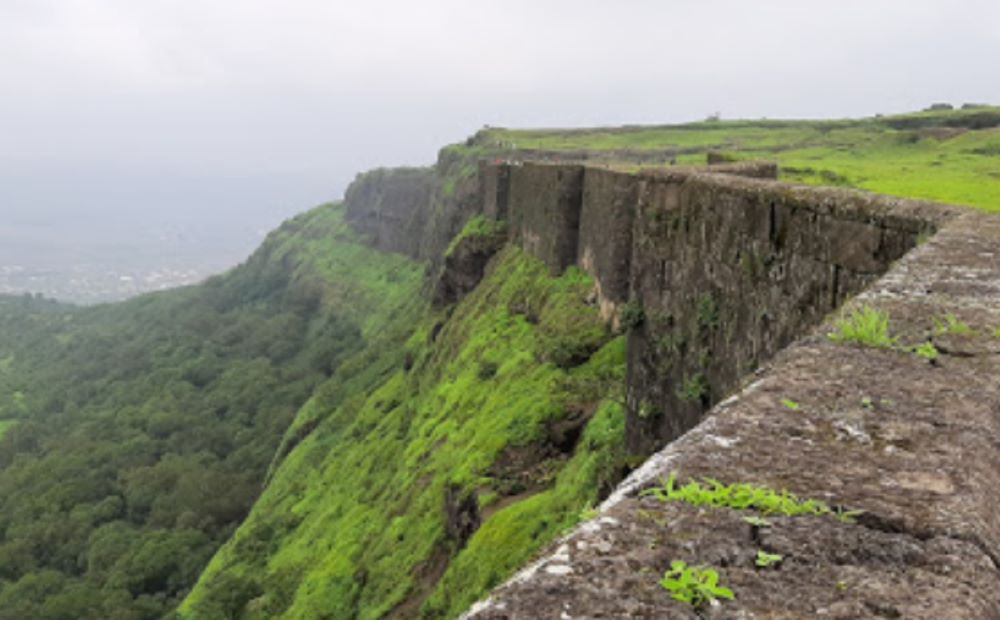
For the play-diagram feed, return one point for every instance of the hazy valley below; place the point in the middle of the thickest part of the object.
(113, 254)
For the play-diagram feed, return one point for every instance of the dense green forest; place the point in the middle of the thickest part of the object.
(137, 436)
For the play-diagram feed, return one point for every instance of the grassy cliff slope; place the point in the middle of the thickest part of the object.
(480, 422)
(135, 437)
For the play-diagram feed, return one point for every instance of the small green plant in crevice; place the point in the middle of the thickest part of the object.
(767, 560)
(693, 389)
(996, 332)
(926, 350)
(743, 496)
(671, 343)
(647, 409)
(756, 521)
(866, 326)
(847, 516)
(708, 313)
(950, 325)
(704, 359)
(695, 585)
(632, 316)
(790, 404)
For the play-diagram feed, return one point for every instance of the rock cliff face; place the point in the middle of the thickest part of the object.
(728, 271)
(416, 211)
(465, 264)
(389, 206)
(711, 272)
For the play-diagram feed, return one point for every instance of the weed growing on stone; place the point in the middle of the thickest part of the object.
(950, 325)
(743, 496)
(791, 404)
(766, 560)
(996, 333)
(739, 496)
(708, 313)
(847, 516)
(647, 409)
(696, 585)
(693, 388)
(866, 326)
(926, 350)
(632, 315)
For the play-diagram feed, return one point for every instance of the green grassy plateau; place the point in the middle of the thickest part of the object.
(951, 157)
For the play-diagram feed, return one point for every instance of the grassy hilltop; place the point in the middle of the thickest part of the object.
(946, 156)
(306, 437)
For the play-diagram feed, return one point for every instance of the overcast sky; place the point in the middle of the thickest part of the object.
(174, 107)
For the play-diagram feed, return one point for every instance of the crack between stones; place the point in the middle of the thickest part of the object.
(964, 354)
(877, 523)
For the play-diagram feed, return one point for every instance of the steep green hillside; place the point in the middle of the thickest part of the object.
(135, 437)
(481, 421)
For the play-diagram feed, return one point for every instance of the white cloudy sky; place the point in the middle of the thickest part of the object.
(264, 106)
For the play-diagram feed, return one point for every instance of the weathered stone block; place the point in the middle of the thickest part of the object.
(494, 182)
(544, 211)
(605, 242)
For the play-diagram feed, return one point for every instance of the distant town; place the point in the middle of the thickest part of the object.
(93, 262)
(90, 284)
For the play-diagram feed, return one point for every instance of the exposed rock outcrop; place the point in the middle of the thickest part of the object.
(465, 264)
